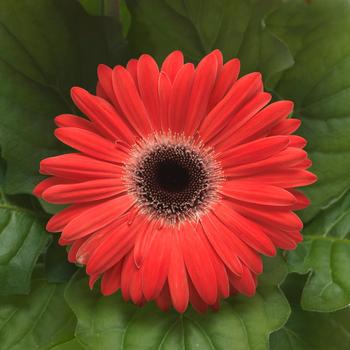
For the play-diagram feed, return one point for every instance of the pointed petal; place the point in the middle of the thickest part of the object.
(164, 92)
(246, 230)
(86, 191)
(156, 265)
(281, 218)
(203, 84)
(97, 217)
(148, 75)
(71, 120)
(47, 183)
(180, 96)
(260, 125)
(104, 74)
(245, 283)
(172, 64)
(177, 276)
(61, 219)
(254, 151)
(103, 115)
(227, 77)
(228, 246)
(111, 280)
(91, 144)
(79, 167)
(285, 127)
(130, 101)
(198, 264)
(255, 192)
(241, 92)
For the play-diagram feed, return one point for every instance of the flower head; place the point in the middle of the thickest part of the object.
(182, 178)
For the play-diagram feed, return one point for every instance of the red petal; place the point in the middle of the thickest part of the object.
(290, 157)
(302, 200)
(196, 301)
(72, 254)
(254, 151)
(179, 99)
(111, 280)
(131, 67)
(219, 267)
(229, 246)
(104, 116)
(198, 264)
(172, 64)
(79, 167)
(281, 218)
(262, 122)
(86, 191)
(240, 93)
(203, 84)
(246, 230)
(281, 239)
(255, 192)
(297, 141)
(148, 75)
(47, 183)
(287, 178)
(285, 127)
(130, 101)
(245, 283)
(239, 119)
(61, 219)
(111, 250)
(177, 276)
(224, 82)
(70, 120)
(164, 301)
(164, 92)
(156, 264)
(97, 217)
(91, 144)
(104, 74)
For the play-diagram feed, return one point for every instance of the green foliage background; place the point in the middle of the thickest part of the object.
(47, 46)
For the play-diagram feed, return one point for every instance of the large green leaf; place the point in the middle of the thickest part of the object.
(46, 47)
(69, 345)
(106, 323)
(57, 267)
(22, 239)
(311, 330)
(39, 321)
(326, 253)
(198, 26)
(101, 7)
(317, 33)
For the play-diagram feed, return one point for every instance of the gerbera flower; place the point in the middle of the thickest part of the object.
(183, 177)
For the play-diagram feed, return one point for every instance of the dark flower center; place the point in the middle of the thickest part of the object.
(172, 176)
(173, 181)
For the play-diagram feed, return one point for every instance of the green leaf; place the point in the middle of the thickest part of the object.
(37, 321)
(46, 47)
(199, 26)
(326, 253)
(101, 7)
(57, 267)
(110, 323)
(317, 34)
(69, 345)
(312, 330)
(22, 239)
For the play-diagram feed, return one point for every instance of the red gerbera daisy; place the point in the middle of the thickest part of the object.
(183, 177)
